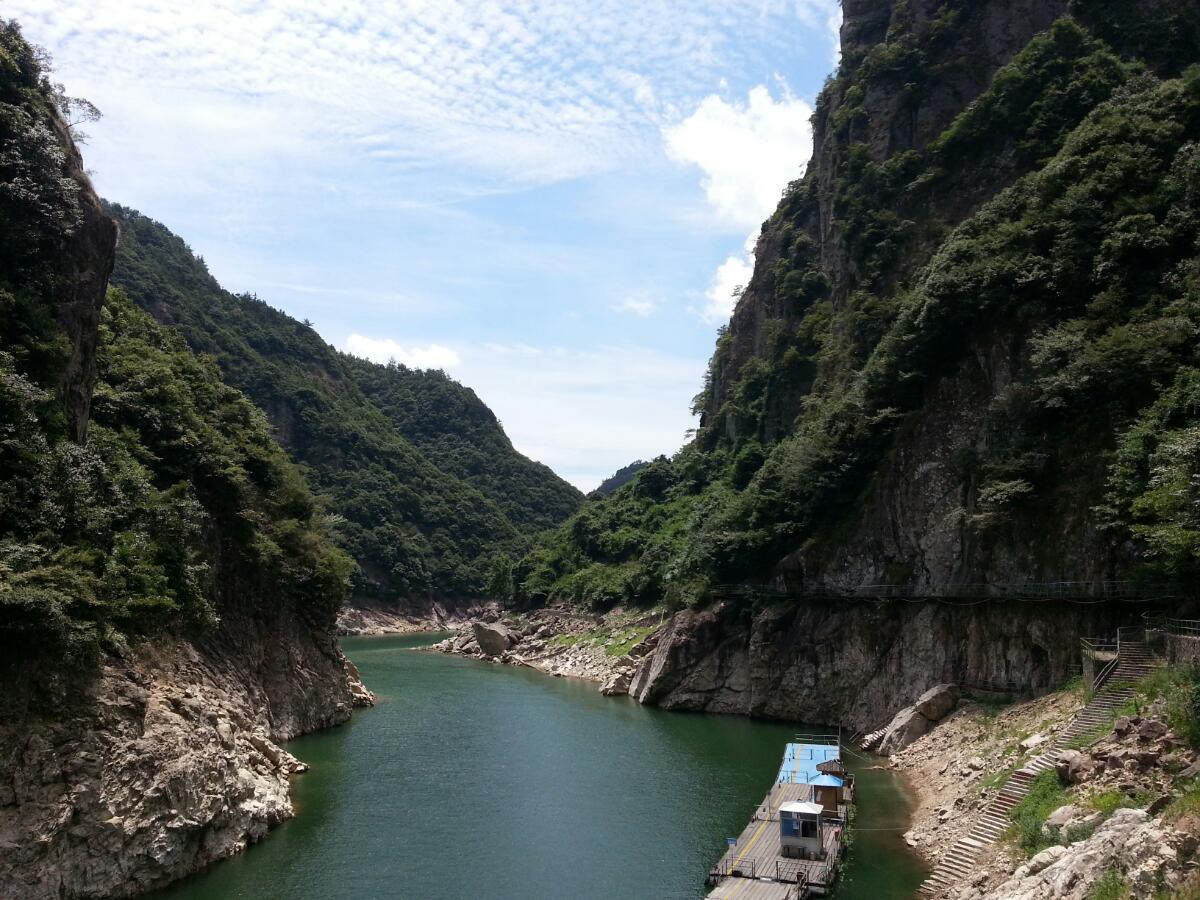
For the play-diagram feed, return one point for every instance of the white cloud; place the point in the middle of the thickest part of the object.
(730, 277)
(386, 350)
(587, 413)
(747, 152)
(524, 93)
(641, 305)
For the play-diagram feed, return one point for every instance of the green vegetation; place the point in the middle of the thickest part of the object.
(1109, 802)
(1046, 794)
(618, 479)
(1177, 688)
(180, 501)
(1186, 805)
(433, 496)
(1075, 263)
(1110, 886)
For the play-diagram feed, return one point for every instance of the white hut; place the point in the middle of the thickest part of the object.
(800, 830)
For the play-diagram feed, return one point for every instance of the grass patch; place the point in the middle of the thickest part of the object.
(1110, 886)
(1046, 794)
(1110, 801)
(1186, 805)
(628, 638)
(571, 640)
(1178, 688)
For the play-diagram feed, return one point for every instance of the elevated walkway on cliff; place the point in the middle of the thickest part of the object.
(1083, 592)
(1132, 660)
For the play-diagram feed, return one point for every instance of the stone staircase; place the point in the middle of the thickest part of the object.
(1133, 662)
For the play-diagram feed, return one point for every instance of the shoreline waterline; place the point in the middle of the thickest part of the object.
(475, 780)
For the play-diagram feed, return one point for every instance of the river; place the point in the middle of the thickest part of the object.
(470, 780)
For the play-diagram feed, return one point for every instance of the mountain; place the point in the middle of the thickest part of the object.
(618, 479)
(431, 491)
(968, 352)
(168, 582)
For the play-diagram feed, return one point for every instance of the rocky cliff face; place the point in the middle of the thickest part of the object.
(856, 664)
(144, 681)
(166, 760)
(87, 262)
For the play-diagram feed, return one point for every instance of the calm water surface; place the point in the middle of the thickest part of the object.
(470, 780)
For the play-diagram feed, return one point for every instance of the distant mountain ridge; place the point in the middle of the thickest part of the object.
(430, 489)
(618, 479)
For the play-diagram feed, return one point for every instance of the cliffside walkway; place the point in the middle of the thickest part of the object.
(1133, 662)
(1083, 592)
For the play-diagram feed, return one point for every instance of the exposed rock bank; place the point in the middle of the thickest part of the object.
(856, 662)
(167, 760)
(561, 641)
(959, 766)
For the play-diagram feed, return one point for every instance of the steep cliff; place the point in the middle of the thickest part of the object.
(168, 584)
(856, 664)
(432, 491)
(967, 355)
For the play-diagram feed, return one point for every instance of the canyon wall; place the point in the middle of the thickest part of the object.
(855, 664)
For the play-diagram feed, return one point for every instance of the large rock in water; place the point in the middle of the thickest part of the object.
(913, 721)
(493, 638)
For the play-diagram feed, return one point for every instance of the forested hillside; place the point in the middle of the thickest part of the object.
(969, 350)
(139, 493)
(430, 491)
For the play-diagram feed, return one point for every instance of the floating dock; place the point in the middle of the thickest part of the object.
(791, 848)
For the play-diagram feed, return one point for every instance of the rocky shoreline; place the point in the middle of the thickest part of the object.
(167, 759)
(958, 766)
(561, 641)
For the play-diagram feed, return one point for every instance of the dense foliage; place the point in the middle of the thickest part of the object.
(431, 491)
(618, 479)
(180, 499)
(1080, 258)
(39, 208)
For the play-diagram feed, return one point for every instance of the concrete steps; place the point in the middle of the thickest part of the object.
(1134, 663)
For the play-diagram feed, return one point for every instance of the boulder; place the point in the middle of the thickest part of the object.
(1045, 859)
(1061, 816)
(913, 721)
(937, 702)
(493, 638)
(1066, 759)
(1121, 726)
(1034, 740)
(618, 683)
(1152, 730)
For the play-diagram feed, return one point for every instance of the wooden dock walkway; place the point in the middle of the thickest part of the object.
(754, 868)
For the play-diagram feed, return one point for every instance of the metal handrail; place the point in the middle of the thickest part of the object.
(1030, 591)
(1182, 627)
(1105, 674)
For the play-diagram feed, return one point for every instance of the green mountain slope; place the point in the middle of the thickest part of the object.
(138, 493)
(430, 488)
(968, 353)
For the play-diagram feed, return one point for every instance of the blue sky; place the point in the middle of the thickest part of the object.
(550, 200)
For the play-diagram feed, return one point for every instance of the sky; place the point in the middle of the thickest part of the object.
(551, 200)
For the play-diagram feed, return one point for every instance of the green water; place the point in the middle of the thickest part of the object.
(469, 780)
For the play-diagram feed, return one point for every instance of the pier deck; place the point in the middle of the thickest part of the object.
(754, 868)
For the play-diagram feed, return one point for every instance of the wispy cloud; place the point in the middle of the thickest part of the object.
(386, 350)
(527, 93)
(641, 305)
